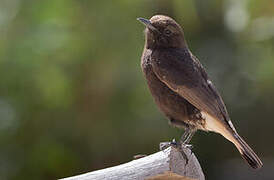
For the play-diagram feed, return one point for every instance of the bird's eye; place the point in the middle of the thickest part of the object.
(167, 32)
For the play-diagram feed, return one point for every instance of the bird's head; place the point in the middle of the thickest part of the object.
(163, 32)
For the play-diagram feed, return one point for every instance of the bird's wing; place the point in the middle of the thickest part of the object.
(182, 72)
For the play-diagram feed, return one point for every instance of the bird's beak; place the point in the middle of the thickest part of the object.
(148, 24)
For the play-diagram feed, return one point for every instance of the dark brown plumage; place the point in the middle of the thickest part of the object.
(181, 87)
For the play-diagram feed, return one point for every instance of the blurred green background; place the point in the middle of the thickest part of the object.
(73, 97)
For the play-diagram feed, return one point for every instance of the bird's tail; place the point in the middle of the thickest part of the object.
(247, 153)
(229, 132)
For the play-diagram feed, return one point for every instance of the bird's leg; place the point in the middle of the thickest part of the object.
(183, 143)
(186, 137)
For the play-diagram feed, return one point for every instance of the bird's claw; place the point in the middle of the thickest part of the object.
(178, 145)
(173, 143)
(187, 146)
(165, 145)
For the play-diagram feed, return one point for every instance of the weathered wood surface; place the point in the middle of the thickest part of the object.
(166, 164)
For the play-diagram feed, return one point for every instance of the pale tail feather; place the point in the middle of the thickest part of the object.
(246, 152)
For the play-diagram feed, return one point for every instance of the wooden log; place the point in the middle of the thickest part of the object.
(167, 164)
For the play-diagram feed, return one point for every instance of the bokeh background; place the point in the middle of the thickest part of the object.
(73, 97)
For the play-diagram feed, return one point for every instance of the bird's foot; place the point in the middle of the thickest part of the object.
(165, 145)
(177, 145)
(187, 146)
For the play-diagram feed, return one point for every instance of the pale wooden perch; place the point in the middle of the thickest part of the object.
(166, 164)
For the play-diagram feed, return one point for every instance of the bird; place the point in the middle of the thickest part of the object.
(181, 87)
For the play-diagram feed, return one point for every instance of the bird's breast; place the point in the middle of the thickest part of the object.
(169, 102)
